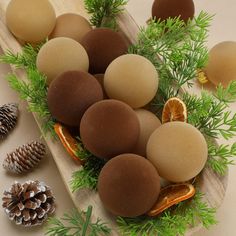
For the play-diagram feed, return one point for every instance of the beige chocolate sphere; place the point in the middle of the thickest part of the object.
(128, 185)
(30, 20)
(178, 150)
(221, 66)
(148, 124)
(60, 55)
(72, 26)
(132, 79)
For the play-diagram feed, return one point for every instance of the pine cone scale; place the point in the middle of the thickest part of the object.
(8, 118)
(28, 204)
(24, 158)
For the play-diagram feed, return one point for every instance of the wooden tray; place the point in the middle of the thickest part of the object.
(211, 184)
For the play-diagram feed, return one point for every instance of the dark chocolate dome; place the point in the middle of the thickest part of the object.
(163, 9)
(70, 95)
(128, 185)
(103, 46)
(109, 128)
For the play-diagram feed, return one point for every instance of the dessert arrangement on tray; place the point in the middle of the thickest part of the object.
(117, 98)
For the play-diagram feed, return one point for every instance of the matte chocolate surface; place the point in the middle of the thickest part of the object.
(178, 150)
(30, 21)
(163, 9)
(128, 185)
(109, 128)
(70, 95)
(72, 26)
(103, 46)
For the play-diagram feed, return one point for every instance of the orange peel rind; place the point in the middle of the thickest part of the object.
(171, 195)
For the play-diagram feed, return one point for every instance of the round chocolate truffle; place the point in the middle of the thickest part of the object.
(71, 26)
(178, 150)
(103, 46)
(148, 124)
(30, 21)
(70, 94)
(60, 55)
(132, 79)
(128, 185)
(221, 68)
(109, 128)
(164, 9)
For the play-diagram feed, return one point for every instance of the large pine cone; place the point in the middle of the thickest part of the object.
(24, 158)
(28, 204)
(8, 118)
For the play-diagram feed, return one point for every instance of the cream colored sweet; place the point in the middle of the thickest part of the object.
(30, 21)
(72, 26)
(178, 150)
(148, 124)
(221, 66)
(60, 55)
(132, 79)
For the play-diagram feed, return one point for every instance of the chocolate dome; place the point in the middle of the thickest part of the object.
(103, 46)
(132, 79)
(109, 128)
(221, 67)
(178, 150)
(30, 21)
(59, 55)
(71, 94)
(163, 9)
(128, 185)
(71, 26)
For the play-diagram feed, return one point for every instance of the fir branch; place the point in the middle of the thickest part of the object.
(87, 176)
(77, 224)
(172, 222)
(177, 50)
(228, 94)
(209, 113)
(220, 157)
(34, 89)
(104, 12)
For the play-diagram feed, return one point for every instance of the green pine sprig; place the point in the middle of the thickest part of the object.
(87, 176)
(104, 12)
(220, 157)
(34, 88)
(77, 223)
(209, 112)
(176, 49)
(172, 222)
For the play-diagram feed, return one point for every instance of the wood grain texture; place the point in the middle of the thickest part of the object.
(211, 184)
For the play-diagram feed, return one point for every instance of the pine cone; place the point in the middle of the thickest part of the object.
(8, 118)
(24, 158)
(28, 204)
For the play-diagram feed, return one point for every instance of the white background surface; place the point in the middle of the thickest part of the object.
(223, 28)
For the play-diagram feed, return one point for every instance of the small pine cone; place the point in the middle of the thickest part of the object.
(28, 204)
(24, 158)
(8, 118)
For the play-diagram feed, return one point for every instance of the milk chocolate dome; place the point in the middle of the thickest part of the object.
(163, 9)
(71, 94)
(103, 46)
(128, 185)
(30, 21)
(109, 128)
(72, 26)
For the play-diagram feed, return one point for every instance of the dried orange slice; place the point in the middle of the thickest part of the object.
(201, 76)
(70, 143)
(170, 196)
(174, 110)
